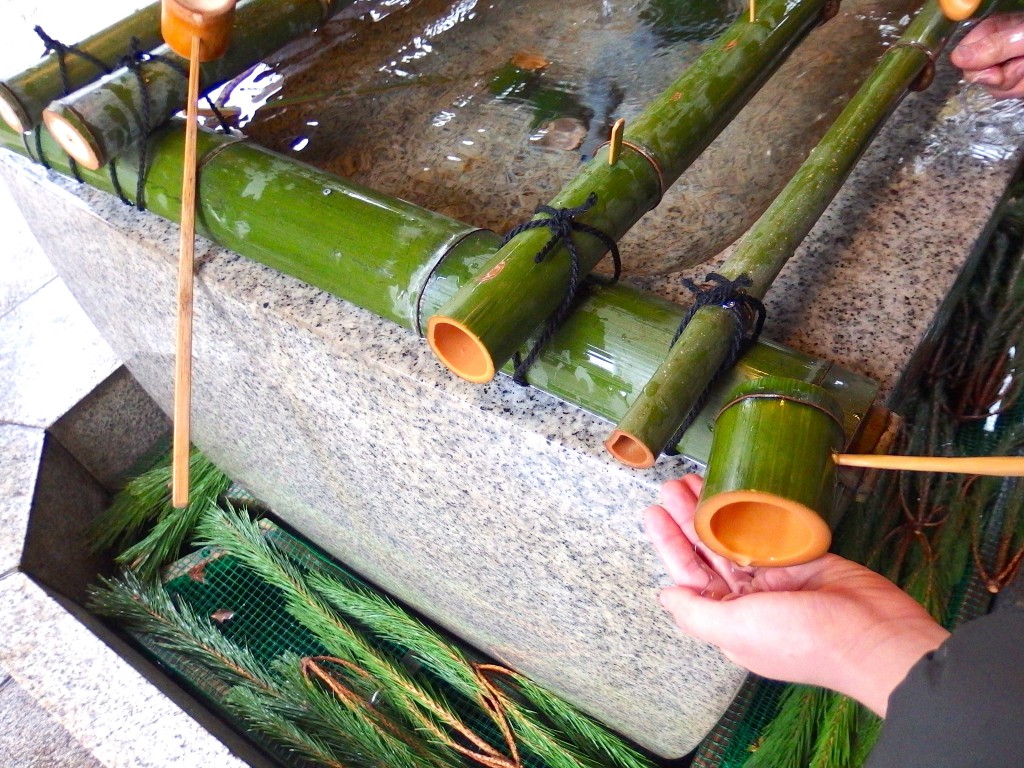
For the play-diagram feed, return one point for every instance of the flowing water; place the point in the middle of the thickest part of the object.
(483, 110)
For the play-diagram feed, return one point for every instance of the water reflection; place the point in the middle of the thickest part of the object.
(482, 111)
(976, 126)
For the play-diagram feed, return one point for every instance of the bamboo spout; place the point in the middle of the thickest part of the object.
(460, 349)
(515, 293)
(660, 408)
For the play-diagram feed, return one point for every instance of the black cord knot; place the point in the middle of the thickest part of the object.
(749, 315)
(562, 223)
(720, 291)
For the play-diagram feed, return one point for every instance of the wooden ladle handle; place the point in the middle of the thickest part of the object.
(998, 466)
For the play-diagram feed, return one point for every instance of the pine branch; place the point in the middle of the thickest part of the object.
(788, 739)
(422, 707)
(149, 610)
(253, 710)
(147, 499)
(385, 619)
(586, 734)
(834, 745)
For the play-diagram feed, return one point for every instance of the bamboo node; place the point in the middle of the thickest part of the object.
(927, 73)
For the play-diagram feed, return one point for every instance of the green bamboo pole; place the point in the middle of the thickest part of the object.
(769, 495)
(480, 328)
(402, 262)
(24, 96)
(100, 121)
(691, 364)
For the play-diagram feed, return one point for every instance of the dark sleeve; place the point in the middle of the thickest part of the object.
(963, 704)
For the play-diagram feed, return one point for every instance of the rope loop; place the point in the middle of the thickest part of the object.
(562, 223)
(749, 315)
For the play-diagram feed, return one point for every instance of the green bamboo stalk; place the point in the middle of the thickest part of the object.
(694, 360)
(24, 96)
(479, 329)
(769, 494)
(401, 262)
(100, 121)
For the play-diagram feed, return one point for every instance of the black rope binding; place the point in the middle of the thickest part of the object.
(62, 50)
(749, 316)
(133, 62)
(562, 223)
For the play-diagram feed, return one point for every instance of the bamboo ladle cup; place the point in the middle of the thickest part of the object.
(198, 30)
(769, 494)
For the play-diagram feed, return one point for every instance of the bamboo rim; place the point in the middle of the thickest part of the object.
(629, 450)
(754, 528)
(11, 110)
(71, 139)
(959, 10)
(209, 21)
(460, 349)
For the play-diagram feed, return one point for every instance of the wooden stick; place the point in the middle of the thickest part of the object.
(186, 268)
(753, 11)
(998, 466)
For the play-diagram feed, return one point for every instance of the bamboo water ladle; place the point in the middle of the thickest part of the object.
(198, 30)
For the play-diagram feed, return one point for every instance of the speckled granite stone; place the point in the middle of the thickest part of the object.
(20, 451)
(50, 357)
(120, 718)
(494, 509)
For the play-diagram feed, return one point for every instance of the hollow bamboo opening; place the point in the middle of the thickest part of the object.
(10, 110)
(959, 10)
(630, 451)
(71, 140)
(460, 349)
(210, 20)
(757, 528)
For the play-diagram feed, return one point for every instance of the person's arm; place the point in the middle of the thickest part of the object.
(831, 622)
(992, 55)
(963, 704)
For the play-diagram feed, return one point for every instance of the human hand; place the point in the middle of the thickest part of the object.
(992, 55)
(830, 622)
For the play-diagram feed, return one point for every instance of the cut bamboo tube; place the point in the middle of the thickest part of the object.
(660, 407)
(769, 495)
(99, 122)
(488, 320)
(202, 28)
(358, 245)
(24, 96)
(996, 466)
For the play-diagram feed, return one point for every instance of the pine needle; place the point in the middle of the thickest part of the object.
(588, 735)
(147, 608)
(788, 739)
(147, 500)
(420, 705)
(833, 747)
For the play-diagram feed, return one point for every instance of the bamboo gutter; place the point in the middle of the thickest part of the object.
(487, 321)
(24, 96)
(693, 361)
(402, 262)
(98, 122)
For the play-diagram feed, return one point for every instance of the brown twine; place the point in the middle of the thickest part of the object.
(483, 753)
